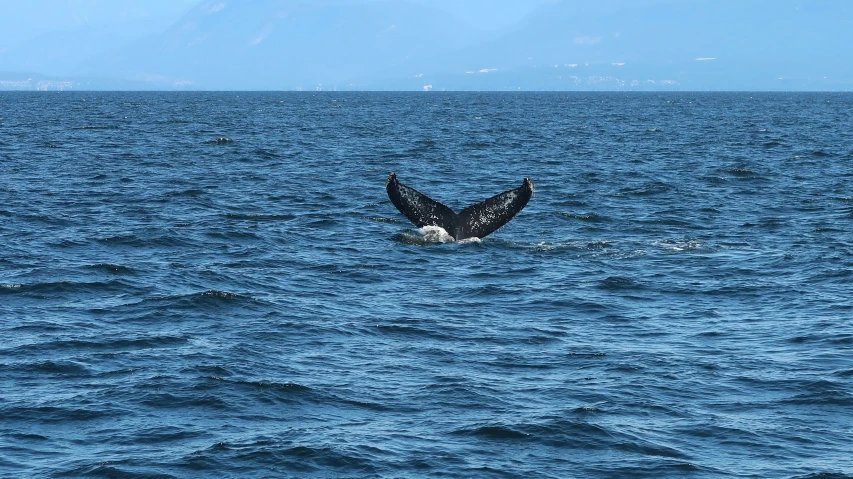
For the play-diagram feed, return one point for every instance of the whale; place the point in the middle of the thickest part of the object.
(476, 221)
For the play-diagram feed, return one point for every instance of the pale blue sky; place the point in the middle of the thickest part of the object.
(22, 20)
(399, 44)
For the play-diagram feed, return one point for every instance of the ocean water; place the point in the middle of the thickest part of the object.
(216, 285)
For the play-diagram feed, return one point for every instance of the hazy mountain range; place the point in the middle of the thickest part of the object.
(405, 45)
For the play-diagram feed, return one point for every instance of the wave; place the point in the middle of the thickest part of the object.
(301, 460)
(563, 433)
(678, 245)
(494, 432)
(134, 240)
(65, 287)
(103, 344)
(125, 468)
(284, 386)
(57, 414)
(203, 300)
(288, 392)
(382, 219)
(827, 393)
(429, 235)
(233, 236)
(111, 268)
(63, 368)
(744, 173)
(619, 283)
(410, 331)
(269, 154)
(586, 355)
(209, 297)
(648, 189)
(588, 217)
(182, 400)
(260, 216)
(96, 127)
(190, 192)
(825, 475)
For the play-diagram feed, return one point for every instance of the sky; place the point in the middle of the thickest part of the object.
(23, 20)
(452, 44)
(487, 14)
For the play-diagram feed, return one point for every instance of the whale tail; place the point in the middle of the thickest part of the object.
(475, 221)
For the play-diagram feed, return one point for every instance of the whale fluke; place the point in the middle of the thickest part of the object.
(475, 221)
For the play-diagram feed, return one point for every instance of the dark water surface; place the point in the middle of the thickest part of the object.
(216, 285)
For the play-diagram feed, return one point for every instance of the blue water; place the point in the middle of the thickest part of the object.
(216, 285)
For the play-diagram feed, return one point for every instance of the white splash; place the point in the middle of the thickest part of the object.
(678, 245)
(436, 234)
